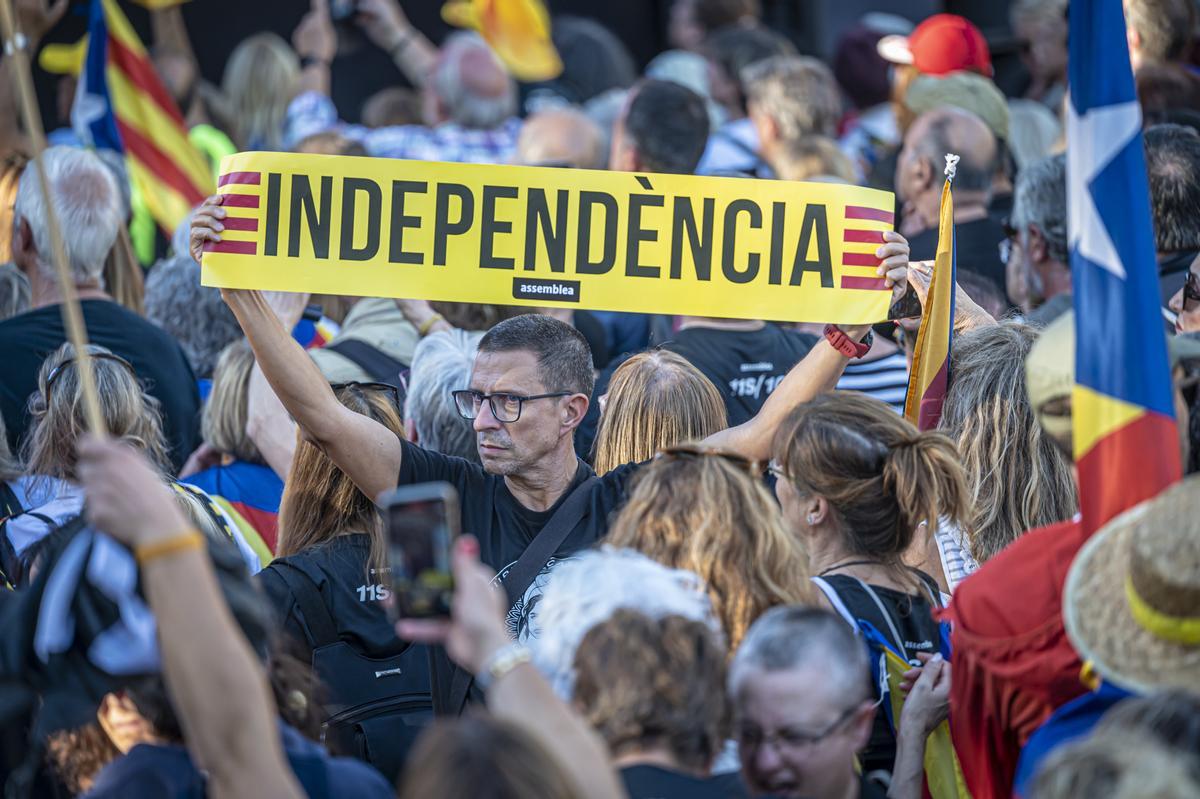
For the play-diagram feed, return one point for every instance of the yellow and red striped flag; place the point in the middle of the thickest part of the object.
(930, 373)
(122, 105)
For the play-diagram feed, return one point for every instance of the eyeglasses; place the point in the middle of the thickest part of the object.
(100, 356)
(1191, 291)
(791, 739)
(386, 388)
(682, 451)
(505, 407)
(777, 471)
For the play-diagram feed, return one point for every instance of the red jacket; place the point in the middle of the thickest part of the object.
(1012, 661)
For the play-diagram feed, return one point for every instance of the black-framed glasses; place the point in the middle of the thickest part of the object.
(1010, 238)
(1191, 291)
(505, 407)
(386, 388)
(741, 462)
(99, 356)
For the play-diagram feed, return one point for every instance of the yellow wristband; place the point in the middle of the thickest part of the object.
(170, 546)
(428, 324)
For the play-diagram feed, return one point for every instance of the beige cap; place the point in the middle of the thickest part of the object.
(967, 90)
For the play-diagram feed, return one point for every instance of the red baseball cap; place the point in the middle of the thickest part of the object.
(942, 44)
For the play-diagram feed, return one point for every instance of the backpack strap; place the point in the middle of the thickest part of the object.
(887, 617)
(527, 568)
(312, 607)
(836, 600)
(9, 504)
(372, 360)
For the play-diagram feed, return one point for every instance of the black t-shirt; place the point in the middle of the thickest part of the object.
(745, 365)
(912, 617)
(503, 525)
(655, 782)
(26, 340)
(349, 589)
(976, 249)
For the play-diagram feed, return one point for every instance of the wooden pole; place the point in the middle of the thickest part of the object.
(15, 46)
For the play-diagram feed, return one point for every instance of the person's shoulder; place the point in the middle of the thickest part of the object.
(149, 771)
(35, 319)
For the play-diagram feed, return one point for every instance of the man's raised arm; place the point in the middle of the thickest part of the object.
(365, 450)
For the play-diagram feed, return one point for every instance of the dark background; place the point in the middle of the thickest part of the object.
(216, 27)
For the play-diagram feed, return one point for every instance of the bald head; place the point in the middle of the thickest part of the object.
(954, 130)
(471, 85)
(561, 137)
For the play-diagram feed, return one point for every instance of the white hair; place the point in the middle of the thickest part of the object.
(464, 106)
(586, 590)
(441, 363)
(87, 202)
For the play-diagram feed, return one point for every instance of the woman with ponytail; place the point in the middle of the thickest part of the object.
(858, 484)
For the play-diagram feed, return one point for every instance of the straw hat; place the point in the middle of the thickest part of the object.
(1132, 600)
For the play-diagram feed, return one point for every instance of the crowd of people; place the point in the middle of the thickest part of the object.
(702, 557)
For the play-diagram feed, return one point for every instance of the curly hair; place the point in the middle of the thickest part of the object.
(644, 683)
(1017, 477)
(77, 756)
(703, 514)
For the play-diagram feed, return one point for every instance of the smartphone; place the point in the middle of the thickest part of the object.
(907, 307)
(422, 521)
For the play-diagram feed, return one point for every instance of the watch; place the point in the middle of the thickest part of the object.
(846, 345)
(502, 661)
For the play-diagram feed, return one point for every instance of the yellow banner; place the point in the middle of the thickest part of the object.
(614, 241)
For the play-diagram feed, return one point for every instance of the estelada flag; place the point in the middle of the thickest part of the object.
(1125, 440)
(930, 373)
(121, 105)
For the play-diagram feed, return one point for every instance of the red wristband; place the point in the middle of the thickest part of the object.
(846, 345)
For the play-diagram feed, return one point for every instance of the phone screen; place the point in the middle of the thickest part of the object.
(422, 522)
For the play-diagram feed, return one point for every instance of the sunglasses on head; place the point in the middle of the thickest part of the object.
(690, 451)
(386, 388)
(98, 356)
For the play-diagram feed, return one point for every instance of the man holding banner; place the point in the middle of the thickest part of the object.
(532, 379)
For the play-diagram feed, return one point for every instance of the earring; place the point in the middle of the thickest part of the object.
(812, 519)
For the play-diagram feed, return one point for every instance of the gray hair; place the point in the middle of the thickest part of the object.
(194, 315)
(790, 637)
(15, 294)
(798, 93)
(442, 363)
(471, 107)
(586, 590)
(1040, 198)
(87, 202)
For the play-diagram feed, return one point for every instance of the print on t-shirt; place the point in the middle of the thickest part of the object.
(521, 619)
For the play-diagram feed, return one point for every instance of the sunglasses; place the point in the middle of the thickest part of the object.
(386, 388)
(690, 452)
(98, 356)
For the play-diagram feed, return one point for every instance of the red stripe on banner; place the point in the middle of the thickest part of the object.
(234, 247)
(157, 162)
(239, 200)
(859, 259)
(239, 223)
(930, 409)
(1110, 481)
(871, 283)
(247, 178)
(863, 236)
(143, 77)
(875, 214)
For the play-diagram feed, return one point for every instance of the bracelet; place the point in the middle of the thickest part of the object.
(502, 661)
(183, 542)
(401, 45)
(424, 328)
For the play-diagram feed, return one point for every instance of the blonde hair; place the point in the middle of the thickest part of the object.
(223, 424)
(1017, 476)
(130, 414)
(260, 80)
(320, 502)
(655, 399)
(880, 475)
(703, 514)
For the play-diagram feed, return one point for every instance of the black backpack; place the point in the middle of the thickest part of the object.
(376, 707)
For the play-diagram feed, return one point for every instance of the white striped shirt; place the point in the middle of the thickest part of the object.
(884, 379)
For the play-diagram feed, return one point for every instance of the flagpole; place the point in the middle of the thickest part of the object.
(15, 47)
